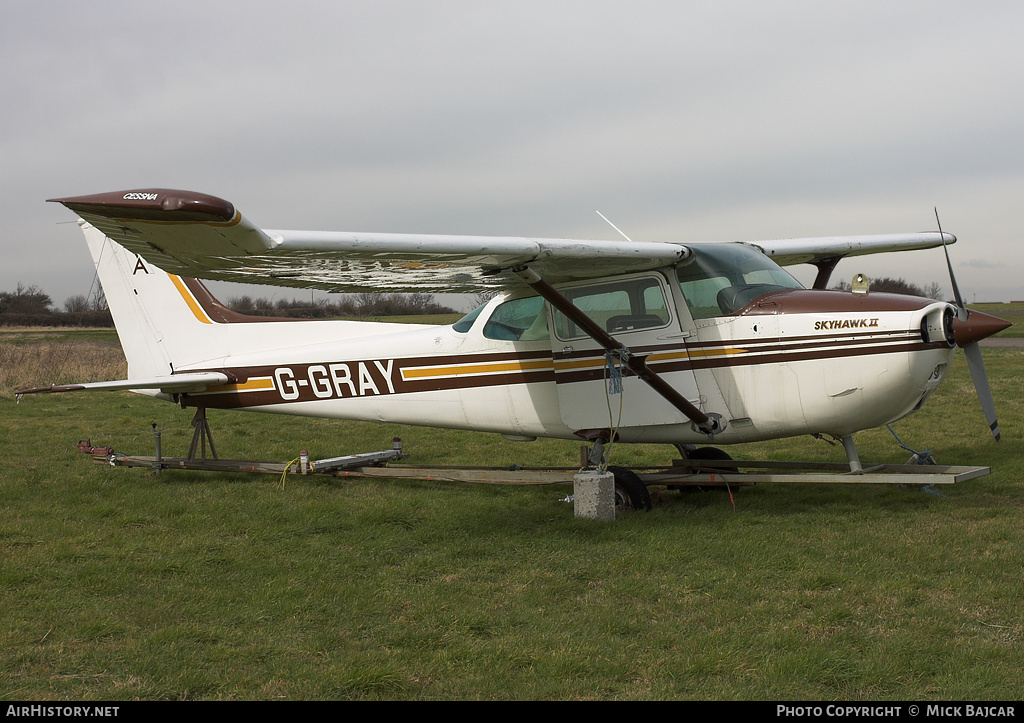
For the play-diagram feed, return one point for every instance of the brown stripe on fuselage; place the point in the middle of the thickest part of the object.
(383, 377)
(374, 377)
(748, 359)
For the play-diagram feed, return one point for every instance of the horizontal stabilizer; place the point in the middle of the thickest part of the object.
(184, 382)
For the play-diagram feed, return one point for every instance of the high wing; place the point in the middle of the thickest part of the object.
(785, 252)
(198, 235)
(195, 234)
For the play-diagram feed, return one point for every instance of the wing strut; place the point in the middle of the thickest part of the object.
(825, 268)
(633, 362)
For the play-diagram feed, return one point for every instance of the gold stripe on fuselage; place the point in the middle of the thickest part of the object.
(457, 370)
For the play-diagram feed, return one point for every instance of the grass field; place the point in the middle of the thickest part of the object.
(119, 584)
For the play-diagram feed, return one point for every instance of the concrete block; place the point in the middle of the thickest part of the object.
(594, 495)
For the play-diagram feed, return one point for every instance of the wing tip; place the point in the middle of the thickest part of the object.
(153, 204)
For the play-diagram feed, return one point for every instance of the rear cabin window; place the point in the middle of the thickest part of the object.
(721, 279)
(618, 307)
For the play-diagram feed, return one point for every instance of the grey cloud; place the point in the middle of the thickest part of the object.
(720, 121)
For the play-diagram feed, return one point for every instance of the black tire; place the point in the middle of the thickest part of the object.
(630, 491)
(714, 454)
(709, 453)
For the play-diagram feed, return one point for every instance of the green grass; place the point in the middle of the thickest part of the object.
(119, 584)
(24, 335)
(413, 318)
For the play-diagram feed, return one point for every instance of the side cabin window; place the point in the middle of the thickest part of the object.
(721, 279)
(619, 307)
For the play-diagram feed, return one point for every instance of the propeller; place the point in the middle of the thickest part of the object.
(969, 328)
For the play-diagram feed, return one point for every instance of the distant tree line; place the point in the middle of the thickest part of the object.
(346, 305)
(898, 286)
(30, 306)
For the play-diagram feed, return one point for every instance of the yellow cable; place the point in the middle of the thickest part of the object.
(286, 468)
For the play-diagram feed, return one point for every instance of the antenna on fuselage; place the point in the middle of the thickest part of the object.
(614, 227)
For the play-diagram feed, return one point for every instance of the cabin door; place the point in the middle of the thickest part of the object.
(591, 392)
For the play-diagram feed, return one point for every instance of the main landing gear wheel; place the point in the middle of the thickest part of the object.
(713, 454)
(630, 491)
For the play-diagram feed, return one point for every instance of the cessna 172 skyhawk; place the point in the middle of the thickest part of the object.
(671, 343)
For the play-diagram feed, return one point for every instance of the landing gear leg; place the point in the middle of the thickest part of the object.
(596, 457)
(851, 453)
(630, 491)
(685, 450)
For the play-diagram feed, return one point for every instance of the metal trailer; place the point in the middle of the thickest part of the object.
(700, 473)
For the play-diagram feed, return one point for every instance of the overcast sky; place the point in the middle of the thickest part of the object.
(679, 121)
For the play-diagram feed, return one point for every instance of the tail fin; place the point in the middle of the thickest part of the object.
(144, 304)
(167, 323)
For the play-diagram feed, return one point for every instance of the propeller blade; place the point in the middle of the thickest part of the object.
(977, 367)
(961, 309)
(969, 328)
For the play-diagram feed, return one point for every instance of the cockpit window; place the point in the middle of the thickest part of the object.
(518, 320)
(466, 323)
(721, 279)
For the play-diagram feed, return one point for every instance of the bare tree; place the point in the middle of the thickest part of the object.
(242, 304)
(76, 304)
(25, 300)
(934, 291)
(99, 300)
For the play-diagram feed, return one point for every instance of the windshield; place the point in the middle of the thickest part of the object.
(720, 279)
(466, 323)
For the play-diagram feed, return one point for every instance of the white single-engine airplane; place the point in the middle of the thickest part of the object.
(682, 344)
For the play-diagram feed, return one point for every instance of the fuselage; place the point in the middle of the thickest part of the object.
(770, 360)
